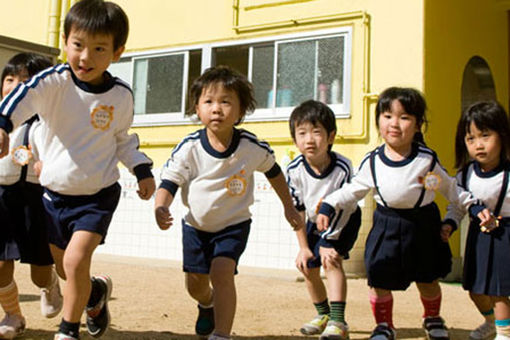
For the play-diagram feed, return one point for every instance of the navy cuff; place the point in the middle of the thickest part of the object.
(169, 186)
(142, 171)
(327, 210)
(300, 207)
(274, 171)
(452, 223)
(5, 124)
(475, 209)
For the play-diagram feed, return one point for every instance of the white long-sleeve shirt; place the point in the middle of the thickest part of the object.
(85, 129)
(400, 184)
(485, 186)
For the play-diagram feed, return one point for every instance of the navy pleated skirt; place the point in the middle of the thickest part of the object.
(487, 260)
(405, 246)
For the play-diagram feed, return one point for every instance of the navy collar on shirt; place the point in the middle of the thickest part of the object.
(405, 161)
(236, 137)
(326, 172)
(487, 174)
(104, 87)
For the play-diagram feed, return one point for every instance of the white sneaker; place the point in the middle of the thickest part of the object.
(12, 326)
(501, 337)
(315, 326)
(336, 331)
(485, 331)
(51, 298)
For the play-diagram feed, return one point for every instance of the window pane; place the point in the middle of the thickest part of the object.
(158, 84)
(233, 56)
(195, 66)
(296, 73)
(122, 70)
(262, 75)
(330, 70)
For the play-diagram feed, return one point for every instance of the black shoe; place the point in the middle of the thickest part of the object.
(383, 332)
(98, 316)
(205, 321)
(435, 328)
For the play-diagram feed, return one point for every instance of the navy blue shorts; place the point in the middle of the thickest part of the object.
(342, 246)
(487, 258)
(200, 248)
(67, 213)
(404, 246)
(24, 228)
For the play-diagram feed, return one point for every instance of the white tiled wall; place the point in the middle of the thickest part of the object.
(134, 232)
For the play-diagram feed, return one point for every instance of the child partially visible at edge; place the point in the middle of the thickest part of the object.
(214, 168)
(86, 114)
(24, 235)
(482, 154)
(408, 242)
(317, 172)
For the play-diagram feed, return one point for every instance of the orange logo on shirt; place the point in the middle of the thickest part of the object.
(101, 117)
(21, 155)
(236, 185)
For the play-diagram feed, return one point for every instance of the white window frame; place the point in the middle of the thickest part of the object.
(267, 114)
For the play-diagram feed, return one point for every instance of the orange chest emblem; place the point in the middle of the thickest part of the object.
(101, 117)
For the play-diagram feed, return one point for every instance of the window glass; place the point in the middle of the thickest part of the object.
(158, 84)
(263, 74)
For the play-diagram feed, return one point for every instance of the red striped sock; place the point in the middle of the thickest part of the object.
(382, 308)
(431, 305)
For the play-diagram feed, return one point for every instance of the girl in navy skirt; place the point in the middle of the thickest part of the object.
(482, 155)
(407, 242)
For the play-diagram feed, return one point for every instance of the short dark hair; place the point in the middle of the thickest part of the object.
(98, 17)
(314, 112)
(486, 115)
(231, 80)
(25, 63)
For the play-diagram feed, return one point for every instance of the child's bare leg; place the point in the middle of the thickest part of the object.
(222, 279)
(484, 304)
(337, 282)
(76, 264)
(58, 258)
(315, 286)
(6, 272)
(42, 276)
(199, 288)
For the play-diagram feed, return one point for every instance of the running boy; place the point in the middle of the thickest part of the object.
(86, 114)
(214, 166)
(312, 176)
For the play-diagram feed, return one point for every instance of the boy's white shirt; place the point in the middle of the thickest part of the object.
(217, 192)
(401, 186)
(308, 190)
(10, 171)
(84, 134)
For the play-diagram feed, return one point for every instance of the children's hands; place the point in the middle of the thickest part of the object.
(302, 258)
(38, 168)
(146, 188)
(4, 143)
(163, 217)
(488, 221)
(294, 218)
(322, 222)
(446, 231)
(330, 258)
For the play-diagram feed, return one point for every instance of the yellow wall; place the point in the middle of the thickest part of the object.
(455, 31)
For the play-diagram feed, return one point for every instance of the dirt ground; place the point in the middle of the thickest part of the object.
(149, 302)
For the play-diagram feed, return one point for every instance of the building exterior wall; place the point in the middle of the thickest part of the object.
(455, 31)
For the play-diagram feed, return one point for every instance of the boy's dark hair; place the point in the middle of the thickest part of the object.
(486, 115)
(231, 80)
(98, 17)
(25, 63)
(411, 99)
(314, 112)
